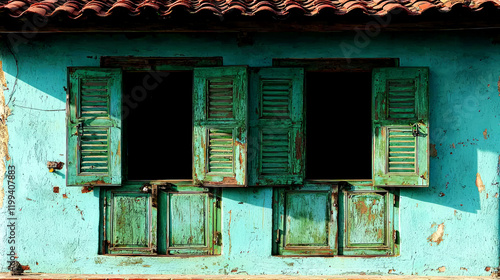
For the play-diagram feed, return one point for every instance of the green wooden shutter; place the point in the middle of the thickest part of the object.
(276, 126)
(94, 127)
(305, 220)
(220, 132)
(191, 223)
(131, 221)
(401, 127)
(368, 222)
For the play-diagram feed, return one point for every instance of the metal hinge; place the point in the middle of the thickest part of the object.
(217, 202)
(395, 234)
(218, 238)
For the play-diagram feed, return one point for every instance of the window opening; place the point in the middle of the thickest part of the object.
(157, 115)
(338, 125)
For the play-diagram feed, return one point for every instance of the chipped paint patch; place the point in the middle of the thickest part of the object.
(442, 269)
(55, 189)
(479, 183)
(4, 133)
(87, 189)
(437, 236)
(485, 134)
(128, 262)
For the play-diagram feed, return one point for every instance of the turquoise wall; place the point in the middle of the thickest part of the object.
(58, 232)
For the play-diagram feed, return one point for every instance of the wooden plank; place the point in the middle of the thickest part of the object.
(336, 64)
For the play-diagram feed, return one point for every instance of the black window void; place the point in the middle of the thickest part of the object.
(338, 126)
(158, 127)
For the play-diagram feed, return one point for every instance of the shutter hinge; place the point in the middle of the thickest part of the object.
(277, 236)
(395, 235)
(218, 238)
(217, 202)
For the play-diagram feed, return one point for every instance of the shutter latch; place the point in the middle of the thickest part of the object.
(415, 129)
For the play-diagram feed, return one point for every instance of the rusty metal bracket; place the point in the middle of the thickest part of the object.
(415, 129)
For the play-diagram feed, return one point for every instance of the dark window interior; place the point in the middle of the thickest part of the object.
(338, 125)
(157, 117)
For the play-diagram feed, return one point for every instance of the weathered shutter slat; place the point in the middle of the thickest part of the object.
(94, 127)
(276, 126)
(220, 133)
(401, 127)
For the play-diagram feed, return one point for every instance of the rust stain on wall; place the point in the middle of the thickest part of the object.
(498, 84)
(56, 190)
(437, 236)
(229, 233)
(485, 134)
(479, 183)
(434, 152)
(4, 133)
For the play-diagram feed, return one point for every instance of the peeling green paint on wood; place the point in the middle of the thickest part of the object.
(94, 127)
(401, 127)
(220, 131)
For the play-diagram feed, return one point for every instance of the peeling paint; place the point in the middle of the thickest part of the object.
(229, 233)
(479, 183)
(442, 269)
(485, 134)
(437, 236)
(87, 189)
(55, 189)
(4, 133)
(498, 84)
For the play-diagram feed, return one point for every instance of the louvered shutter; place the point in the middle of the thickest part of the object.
(220, 133)
(94, 127)
(401, 127)
(276, 126)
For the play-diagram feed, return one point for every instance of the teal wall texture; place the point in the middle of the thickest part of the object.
(450, 228)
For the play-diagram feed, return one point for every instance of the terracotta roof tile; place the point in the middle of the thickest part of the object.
(103, 8)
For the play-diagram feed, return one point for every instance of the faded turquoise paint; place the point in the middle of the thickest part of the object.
(58, 234)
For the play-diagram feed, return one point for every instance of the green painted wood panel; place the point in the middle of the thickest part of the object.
(401, 127)
(220, 129)
(368, 222)
(276, 113)
(305, 220)
(94, 127)
(131, 223)
(189, 220)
